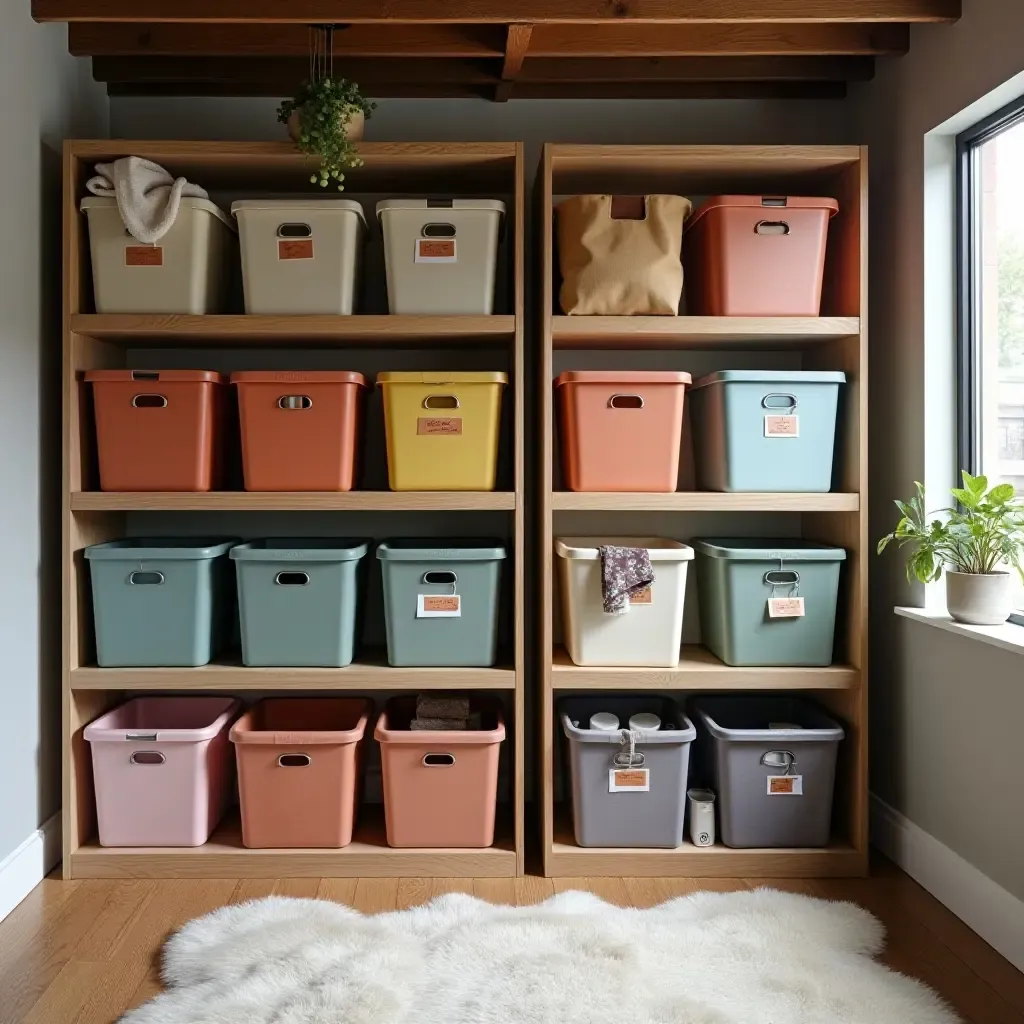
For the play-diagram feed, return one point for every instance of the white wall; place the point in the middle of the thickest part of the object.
(47, 96)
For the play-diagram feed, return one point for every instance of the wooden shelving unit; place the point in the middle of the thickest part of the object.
(837, 341)
(90, 516)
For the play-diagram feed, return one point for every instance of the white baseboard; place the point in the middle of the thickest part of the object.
(22, 870)
(983, 905)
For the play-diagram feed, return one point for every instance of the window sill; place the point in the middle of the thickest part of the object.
(1009, 636)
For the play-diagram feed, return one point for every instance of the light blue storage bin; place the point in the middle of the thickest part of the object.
(298, 600)
(744, 423)
(160, 602)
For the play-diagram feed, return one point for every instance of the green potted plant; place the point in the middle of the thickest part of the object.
(325, 118)
(974, 542)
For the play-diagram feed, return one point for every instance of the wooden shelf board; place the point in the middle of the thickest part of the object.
(702, 501)
(296, 501)
(735, 332)
(698, 669)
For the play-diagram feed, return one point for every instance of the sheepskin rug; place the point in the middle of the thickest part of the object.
(759, 957)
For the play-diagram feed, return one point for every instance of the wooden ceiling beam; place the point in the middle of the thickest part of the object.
(698, 69)
(516, 46)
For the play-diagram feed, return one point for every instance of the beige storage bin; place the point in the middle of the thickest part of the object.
(187, 271)
(300, 255)
(441, 254)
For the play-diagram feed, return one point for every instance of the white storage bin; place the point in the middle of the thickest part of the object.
(441, 255)
(300, 255)
(650, 632)
(187, 271)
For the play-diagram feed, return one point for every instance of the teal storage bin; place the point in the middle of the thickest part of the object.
(298, 600)
(765, 430)
(423, 629)
(161, 602)
(737, 580)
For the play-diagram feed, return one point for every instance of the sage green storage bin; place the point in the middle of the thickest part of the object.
(736, 579)
(160, 602)
(424, 631)
(298, 600)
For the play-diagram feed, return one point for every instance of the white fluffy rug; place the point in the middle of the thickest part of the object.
(759, 957)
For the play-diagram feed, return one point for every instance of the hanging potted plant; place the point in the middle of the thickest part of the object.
(975, 542)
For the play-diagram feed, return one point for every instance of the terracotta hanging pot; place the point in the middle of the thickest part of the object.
(353, 129)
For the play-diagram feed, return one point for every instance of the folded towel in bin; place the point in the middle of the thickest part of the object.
(625, 572)
(431, 706)
(472, 723)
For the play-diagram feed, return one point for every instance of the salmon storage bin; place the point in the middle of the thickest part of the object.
(440, 788)
(299, 770)
(186, 271)
(159, 430)
(650, 633)
(621, 429)
(300, 255)
(300, 431)
(442, 429)
(162, 770)
(441, 255)
(756, 255)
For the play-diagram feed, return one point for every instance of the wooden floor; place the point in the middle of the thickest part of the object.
(83, 952)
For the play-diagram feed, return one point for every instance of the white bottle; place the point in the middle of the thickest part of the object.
(604, 721)
(702, 817)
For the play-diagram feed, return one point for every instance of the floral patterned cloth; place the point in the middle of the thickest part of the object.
(624, 572)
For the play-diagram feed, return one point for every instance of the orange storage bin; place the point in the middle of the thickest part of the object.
(440, 788)
(756, 256)
(299, 768)
(300, 431)
(159, 430)
(621, 429)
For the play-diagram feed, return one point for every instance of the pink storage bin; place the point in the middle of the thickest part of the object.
(163, 769)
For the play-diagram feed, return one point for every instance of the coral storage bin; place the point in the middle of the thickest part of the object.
(300, 255)
(765, 430)
(159, 430)
(162, 770)
(186, 271)
(299, 770)
(771, 762)
(651, 631)
(300, 431)
(756, 255)
(298, 600)
(442, 429)
(609, 809)
(440, 788)
(621, 429)
(441, 254)
(768, 602)
(161, 602)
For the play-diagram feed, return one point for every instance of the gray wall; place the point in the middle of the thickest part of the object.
(47, 96)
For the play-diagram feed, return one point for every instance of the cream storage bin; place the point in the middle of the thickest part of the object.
(441, 254)
(650, 632)
(300, 255)
(187, 271)
(442, 429)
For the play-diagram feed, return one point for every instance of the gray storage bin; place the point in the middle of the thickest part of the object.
(771, 761)
(627, 817)
(736, 579)
(160, 602)
(420, 632)
(298, 599)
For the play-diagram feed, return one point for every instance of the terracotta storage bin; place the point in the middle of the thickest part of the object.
(440, 788)
(299, 767)
(159, 430)
(621, 429)
(300, 431)
(756, 255)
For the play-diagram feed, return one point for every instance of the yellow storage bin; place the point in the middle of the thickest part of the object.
(442, 429)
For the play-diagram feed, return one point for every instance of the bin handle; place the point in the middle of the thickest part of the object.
(434, 229)
(149, 401)
(295, 402)
(292, 230)
(771, 227)
(441, 402)
(779, 759)
(438, 760)
(788, 401)
(441, 576)
(143, 579)
(294, 761)
(789, 578)
(291, 579)
(147, 757)
(626, 759)
(626, 402)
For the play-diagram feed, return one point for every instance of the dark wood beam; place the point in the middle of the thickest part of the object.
(516, 46)
(698, 69)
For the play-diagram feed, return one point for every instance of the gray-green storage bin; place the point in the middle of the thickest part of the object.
(640, 810)
(765, 430)
(441, 600)
(771, 762)
(298, 600)
(160, 601)
(768, 602)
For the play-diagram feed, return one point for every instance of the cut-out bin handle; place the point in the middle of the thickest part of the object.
(445, 576)
(438, 760)
(623, 760)
(782, 577)
(294, 231)
(149, 401)
(771, 227)
(291, 579)
(441, 402)
(295, 402)
(149, 757)
(294, 761)
(778, 400)
(626, 402)
(779, 759)
(145, 579)
(436, 230)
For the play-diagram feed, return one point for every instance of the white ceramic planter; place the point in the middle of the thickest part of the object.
(979, 600)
